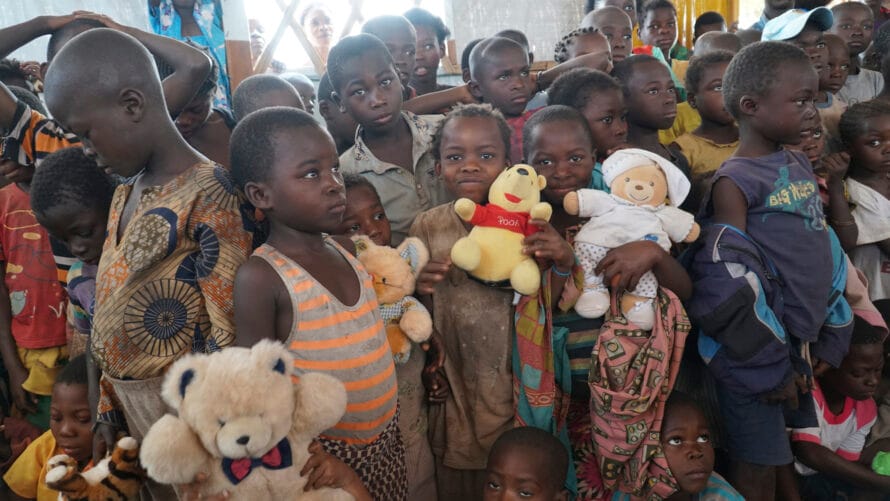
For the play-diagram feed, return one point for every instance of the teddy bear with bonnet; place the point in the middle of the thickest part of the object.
(394, 274)
(243, 420)
(492, 252)
(645, 192)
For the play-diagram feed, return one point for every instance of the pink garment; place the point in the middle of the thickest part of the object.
(856, 293)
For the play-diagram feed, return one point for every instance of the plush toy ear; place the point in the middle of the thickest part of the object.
(272, 355)
(180, 376)
(412, 250)
(542, 182)
(362, 243)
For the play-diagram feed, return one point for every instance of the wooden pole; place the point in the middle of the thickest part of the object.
(237, 41)
(301, 36)
(265, 58)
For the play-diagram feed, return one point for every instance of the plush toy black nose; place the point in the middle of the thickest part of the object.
(522, 171)
(243, 439)
(639, 186)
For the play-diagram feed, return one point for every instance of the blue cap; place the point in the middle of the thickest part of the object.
(792, 22)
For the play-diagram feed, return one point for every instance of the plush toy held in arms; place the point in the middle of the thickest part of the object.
(645, 190)
(118, 477)
(492, 252)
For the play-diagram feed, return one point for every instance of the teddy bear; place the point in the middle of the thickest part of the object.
(492, 252)
(118, 477)
(245, 422)
(645, 190)
(394, 272)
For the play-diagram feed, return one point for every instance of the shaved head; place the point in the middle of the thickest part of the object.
(717, 40)
(604, 15)
(486, 49)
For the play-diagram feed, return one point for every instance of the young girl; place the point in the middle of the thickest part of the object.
(391, 147)
(431, 35)
(308, 291)
(865, 132)
(206, 127)
(599, 99)
(558, 146)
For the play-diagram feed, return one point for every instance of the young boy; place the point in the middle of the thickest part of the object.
(804, 29)
(706, 23)
(614, 24)
(70, 433)
(765, 204)
(658, 28)
(831, 80)
(526, 463)
(264, 91)
(629, 7)
(175, 237)
(307, 290)
(340, 124)
(400, 39)
(305, 88)
(854, 23)
(431, 35)
(827, 455)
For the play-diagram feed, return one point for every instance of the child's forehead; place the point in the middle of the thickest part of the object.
(484, 129)
(649, 71)
(661, 14)
(612, 20)
(504, 56)
(852, 11)
(368, 63)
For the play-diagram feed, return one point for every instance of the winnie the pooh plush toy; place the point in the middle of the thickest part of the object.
(492, 252)
(244, 422)
(118, 477)
(642, 184)
(394, 272)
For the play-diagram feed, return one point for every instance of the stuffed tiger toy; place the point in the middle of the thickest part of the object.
(118, 477)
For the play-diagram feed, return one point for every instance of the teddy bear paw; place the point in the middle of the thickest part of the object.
(642, 314)
(592, 303)
(59, 467)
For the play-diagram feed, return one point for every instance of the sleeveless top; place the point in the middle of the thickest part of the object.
(347, 342)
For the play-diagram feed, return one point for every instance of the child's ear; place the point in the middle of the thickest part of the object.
(338, 101)
(133, 102)
(441, 50)
(324, 109)
(748, 105)
(690, 98)
(474, 88)
(438, 168)
(258, 195)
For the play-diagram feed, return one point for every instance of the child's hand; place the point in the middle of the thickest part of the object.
(432, 378)
(836, 166)
(549, 246)
(24, 400)
(431, 274)
(54, 23)
(192, 491)
(324, 470)
(630, 261)
(107, 21)
(466, 97)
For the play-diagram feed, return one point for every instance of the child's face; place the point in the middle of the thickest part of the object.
(708, 98)
(837, 67)
(686, 440)
(562, 153)
(855, 26)
(659, 29)
(788, 107)
(195, 114)
(871, 151)
(365, 216)
(305, 188)
(859, 373)
(429, 52)
(504, 81)
(812, 143)
(402, 45)
(471, 156)
(518, 473)
(812, 41)
(618, 31)
(70, 420)
(607, 117)
(81, 229)
(307, 94)
(372, 94)
(587, 43)
(627, 6)
(652, 100)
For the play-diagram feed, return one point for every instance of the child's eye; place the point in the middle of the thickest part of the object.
(357, 92)
(429, 46)
(379, 216)
(671, 90)
(845, 26)
(503, 76)
(674, 441)
(845, 67)
(820, 45)
(312, 174)
(817, 135)
(576, 158)
(800, 102)
(453, 158)
(526, 493)
(874, 143)
(524, 73)
(703, 438)
(608, 36)
(545, 162)
(354, 228)
(652, 91)
(335, 169)
(607, 120)
(386, 82)
(486, 156)
(717, 88)
(493, 485)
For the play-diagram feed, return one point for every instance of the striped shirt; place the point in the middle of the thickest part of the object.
(36, 136)
(347, 342)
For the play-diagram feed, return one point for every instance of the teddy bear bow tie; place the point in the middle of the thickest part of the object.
(278, 458)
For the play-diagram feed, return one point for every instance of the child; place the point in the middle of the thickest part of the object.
(340, 124)
(526, 463)
(827, 455)
(520, 38)
(70, 433)
(865, 132)
(629, 7)
(264, 91)
(651, 98)
(305, 88)
(578, 43)
(465, 59)
(400, 39)
(686, 442)
(717, 40)
(431, 35)
(804, 29)
(306, 290)
(716, 139)
(706, 23)
(616, 26)
(176, 234)
(204, 126)
(658, 28)
(854, 23)
(599, 99)
(391, 145)
(474, 320)
(499, 70)
(769, 196)
(831, 80)
(365, 216)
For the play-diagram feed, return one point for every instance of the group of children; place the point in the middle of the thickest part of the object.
(142, 223)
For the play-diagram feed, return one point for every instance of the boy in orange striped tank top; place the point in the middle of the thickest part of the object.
(307, 290)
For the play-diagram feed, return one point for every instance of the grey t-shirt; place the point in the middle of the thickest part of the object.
(862, 87)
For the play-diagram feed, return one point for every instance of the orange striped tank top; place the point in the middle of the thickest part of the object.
(347, 342)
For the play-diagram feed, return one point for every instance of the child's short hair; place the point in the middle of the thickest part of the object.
(67, 32)
(554, 113)
(465, 55)
(624, 70)
(379, 25)
(550, 450)
(422, 17)
(853, 121)
(351, 47)
(26, 96)
(325, 89)
(865, 332)
(561, 51)
(247, 97)
(517, 36)
(351, 181)
(69, 176)
(653, 5)
(486, 48)
(754, 71)
(252, 145)
(698, 64)
(679, 398)
(74, 372)
(473, 110)
(575, 88)
(11, 68)
(709, 17)
(851, 5)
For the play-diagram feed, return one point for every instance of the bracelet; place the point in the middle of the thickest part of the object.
(843, 224)
(563, 274)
